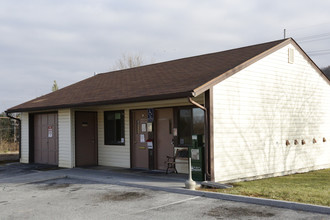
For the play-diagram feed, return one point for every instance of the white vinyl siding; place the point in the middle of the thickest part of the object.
(119, 155)
(24, 137)
(113, 155)
(66, 154)
(257, 109)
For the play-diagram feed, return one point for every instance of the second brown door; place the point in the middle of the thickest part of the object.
(86, 138)
(164, 136)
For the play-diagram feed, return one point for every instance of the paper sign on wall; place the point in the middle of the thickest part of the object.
(150, 145)
(195, 154)
(175, 132)
(149, 127)
(143, 127)
(142, 139)
(50, 131)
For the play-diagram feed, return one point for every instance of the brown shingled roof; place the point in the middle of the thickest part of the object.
(172, 79)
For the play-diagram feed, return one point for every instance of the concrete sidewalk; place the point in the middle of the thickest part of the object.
(159, 181)
(175, 184)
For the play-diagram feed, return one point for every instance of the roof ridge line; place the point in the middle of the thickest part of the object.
(191, 57)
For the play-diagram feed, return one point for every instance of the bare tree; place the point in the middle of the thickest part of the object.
(326, 71)
(9, 133)
(55, 87)
(128, 61)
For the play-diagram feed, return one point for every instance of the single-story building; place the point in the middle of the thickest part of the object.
(258, 111)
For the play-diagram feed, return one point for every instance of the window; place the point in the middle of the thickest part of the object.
(114, 128)
(191, 122)
(185, 116)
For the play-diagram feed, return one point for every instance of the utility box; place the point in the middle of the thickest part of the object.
(196, 153)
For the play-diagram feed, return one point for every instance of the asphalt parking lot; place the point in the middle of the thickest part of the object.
(32, 192)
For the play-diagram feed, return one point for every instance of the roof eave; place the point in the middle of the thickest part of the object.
(107, 102)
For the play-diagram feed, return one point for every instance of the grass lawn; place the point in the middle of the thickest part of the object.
(312, 187)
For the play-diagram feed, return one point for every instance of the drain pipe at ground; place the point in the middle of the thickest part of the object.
(206, 153)
(190, 183)
(20, 131)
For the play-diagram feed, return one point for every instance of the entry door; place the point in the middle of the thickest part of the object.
(45, 139)
(164, 127)
(140, 156)
(86, 138)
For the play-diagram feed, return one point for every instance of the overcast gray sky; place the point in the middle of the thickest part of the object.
(70, 40)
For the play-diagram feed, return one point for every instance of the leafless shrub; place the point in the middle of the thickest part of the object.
(6, 147)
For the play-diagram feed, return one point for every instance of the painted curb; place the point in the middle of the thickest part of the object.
(245, 199)
(222, 196)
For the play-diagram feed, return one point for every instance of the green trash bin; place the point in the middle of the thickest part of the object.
(196, 153)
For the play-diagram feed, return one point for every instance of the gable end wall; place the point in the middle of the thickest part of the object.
(261, 107)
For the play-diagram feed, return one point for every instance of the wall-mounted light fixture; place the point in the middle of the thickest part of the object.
(314, 141)
(324, 140)
(295, 142)
(287, 143)
(303, 142)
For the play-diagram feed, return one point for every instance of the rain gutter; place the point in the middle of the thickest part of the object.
(206, 132)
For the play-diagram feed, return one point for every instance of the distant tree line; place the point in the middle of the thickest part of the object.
(9, 129)
(326, 71)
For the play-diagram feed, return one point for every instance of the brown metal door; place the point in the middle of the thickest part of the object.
(86, 138)
(45, 139)
(140, 155)
(164, 126)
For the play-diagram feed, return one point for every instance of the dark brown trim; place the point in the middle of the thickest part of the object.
(238, 68)
(131, 137)
(31, 138)
(45, 112)
(109, 102)
(96, 138)
(155, 133)
(209, 106)
(176, 125)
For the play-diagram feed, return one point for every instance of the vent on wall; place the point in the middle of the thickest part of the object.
(290, 55)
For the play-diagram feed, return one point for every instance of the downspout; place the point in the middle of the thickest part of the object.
(20, 132)
(206, 148)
